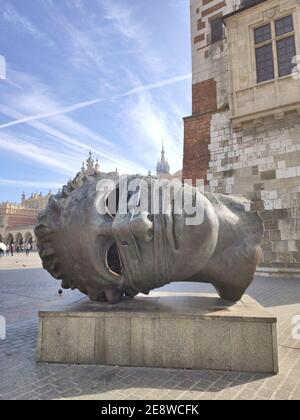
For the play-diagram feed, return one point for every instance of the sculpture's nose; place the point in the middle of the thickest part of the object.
(141, 227)
(129, 231)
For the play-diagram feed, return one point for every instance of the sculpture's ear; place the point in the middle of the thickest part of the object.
(235, 223)
(233, 264)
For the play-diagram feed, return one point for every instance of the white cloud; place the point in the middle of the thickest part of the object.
(61, 132)
(84, 104)
(75, 149)
(146, 124)
(30, 184)
(122, 19)
(157, 85)
(28, 150)
(143, 121)
(12, 16)
(82, 38)
(132, 29)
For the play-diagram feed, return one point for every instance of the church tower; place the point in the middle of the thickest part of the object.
(163, 167)
(91, 166)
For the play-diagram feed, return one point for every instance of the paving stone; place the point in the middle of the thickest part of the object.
(31, 290)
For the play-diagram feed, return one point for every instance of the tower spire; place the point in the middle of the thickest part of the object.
(163, 165)
(163, 159)
(90, 163)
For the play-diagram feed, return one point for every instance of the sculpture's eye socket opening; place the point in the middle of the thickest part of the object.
(113, 260)
(112, 203)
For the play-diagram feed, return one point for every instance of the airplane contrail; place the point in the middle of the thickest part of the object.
(85, 104)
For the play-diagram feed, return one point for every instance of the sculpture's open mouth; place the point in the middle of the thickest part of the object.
(113, 261)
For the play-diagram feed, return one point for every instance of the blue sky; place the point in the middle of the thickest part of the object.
(113, 76)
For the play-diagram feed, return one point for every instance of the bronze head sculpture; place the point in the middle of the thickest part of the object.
(106, 253)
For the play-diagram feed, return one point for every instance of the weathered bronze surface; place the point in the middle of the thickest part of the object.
(110, 256)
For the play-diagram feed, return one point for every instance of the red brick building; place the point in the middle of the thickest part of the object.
(243, 135)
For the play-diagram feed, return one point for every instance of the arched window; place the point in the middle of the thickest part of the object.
(19, 239)
(29, 238)
(9, 239)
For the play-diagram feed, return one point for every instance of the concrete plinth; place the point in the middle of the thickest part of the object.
(167, 330)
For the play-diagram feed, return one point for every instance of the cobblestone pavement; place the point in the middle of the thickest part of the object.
(20, 261)
(23, 292)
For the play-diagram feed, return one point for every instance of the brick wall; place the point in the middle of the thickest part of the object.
(204, 97)
(209, 87)
(15, 221)
(196, 153)
(197, 131)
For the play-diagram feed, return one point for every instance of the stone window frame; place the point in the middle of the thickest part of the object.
(212, 19)
(273, 40)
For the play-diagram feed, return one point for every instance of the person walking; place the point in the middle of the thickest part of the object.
(28, 249)
(2, 249)
(11, 249)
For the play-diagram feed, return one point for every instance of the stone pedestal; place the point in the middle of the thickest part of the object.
(166, 330)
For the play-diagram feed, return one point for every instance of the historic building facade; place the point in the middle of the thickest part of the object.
(244, 133)
(17, 221)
